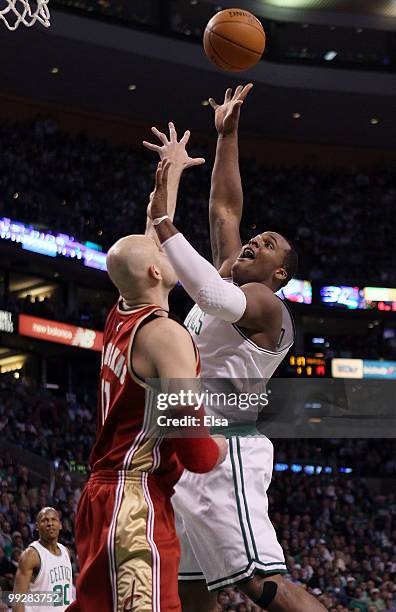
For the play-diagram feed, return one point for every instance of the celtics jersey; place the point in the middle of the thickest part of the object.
(231, 362)
(55, 576)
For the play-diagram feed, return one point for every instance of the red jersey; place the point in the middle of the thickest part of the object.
(127, 435)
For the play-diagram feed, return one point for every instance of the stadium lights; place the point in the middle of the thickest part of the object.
(330, 55)
(310, 469)
(52, 245)
(293, 3)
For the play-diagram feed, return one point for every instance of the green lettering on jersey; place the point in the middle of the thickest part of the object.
(194, 321)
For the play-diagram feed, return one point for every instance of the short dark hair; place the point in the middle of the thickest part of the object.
(290, 262)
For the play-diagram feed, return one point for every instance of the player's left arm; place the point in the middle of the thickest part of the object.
(226, 195)
(175, 151)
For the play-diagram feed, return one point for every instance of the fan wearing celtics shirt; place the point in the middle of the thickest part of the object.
(243, 330)
(45, 567)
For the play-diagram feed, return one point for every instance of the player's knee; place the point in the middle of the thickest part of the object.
(263, 591)
(268, 594)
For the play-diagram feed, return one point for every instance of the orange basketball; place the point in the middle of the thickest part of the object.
(234, 40)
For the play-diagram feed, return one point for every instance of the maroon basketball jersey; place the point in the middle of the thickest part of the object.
(127, 434)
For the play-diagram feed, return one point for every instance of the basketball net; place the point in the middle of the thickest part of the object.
(25, 12)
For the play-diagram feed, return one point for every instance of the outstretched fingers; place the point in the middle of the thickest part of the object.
(186, 137)
(162, 137)
(172, 132)
(245, 91)
(197, 161)
(228, 95)
(237, 92)
(151, 146)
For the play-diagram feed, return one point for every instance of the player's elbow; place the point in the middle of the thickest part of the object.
(199, 465)
(198, 455)
(222, 300)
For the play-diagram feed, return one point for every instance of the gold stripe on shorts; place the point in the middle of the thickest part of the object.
(133, 553)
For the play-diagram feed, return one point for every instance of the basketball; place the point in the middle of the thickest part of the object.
(234, 40)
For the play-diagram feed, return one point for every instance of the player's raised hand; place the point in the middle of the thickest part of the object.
(172, 149)
(158, 206)
(227, 114)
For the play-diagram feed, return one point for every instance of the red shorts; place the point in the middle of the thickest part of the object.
(127, 546)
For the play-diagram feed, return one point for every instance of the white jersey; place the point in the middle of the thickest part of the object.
(232, 499)
(227, 353)
(55, 576)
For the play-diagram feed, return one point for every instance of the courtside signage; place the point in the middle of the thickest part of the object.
(379, 369)
(347, 368)
(363, 368)
(61, 333)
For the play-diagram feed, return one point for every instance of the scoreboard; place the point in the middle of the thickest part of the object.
(309, 366)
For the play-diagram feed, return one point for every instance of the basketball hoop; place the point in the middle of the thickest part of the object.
(26, 12)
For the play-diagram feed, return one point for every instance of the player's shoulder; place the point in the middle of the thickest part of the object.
(263, 308)
(162, 330)
(30, 558)
(65, 549)
(258, 291)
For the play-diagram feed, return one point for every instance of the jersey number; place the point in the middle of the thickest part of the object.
(105, 399)
(62, 596)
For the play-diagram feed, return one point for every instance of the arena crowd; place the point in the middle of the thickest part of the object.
(338, 534)
(98, 192)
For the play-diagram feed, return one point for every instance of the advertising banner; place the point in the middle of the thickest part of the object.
(62, 333)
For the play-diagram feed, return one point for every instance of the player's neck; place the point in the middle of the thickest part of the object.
(158, 297)
(50, 545)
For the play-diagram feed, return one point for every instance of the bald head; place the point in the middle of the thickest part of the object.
(46, 510)
(135, 266)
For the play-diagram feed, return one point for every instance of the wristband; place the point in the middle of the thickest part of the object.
(160, 219)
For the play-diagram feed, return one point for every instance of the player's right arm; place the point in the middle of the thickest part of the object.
(163, 349)
(226, 195)
(28, 563)
(175, 151)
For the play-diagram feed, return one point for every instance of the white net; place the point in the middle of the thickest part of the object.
(25, 12)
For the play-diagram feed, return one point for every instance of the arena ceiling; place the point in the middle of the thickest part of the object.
(376, 8)
(385, 8)
(102, 67)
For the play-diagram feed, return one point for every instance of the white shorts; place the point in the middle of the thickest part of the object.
(222, 517)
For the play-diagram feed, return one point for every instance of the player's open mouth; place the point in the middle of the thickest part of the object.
(247, 253)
